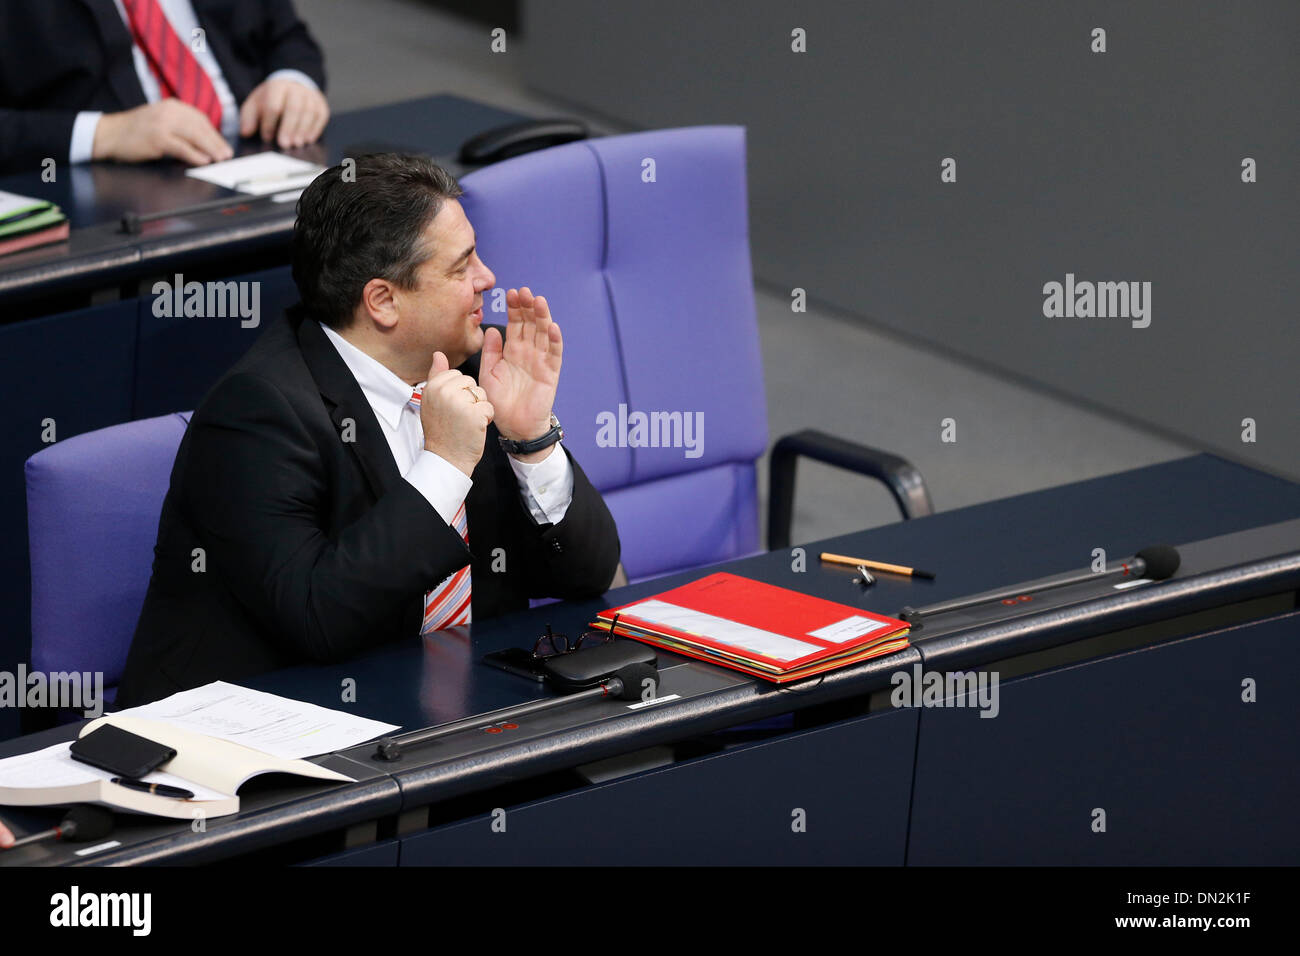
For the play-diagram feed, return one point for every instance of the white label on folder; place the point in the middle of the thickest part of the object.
(847, 629)
(752, 639)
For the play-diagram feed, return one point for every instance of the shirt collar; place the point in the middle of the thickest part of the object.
(385, 391)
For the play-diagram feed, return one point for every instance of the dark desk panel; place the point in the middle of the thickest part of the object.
(384, 853)
(847, 785)
(1187, 773)
(179, 358)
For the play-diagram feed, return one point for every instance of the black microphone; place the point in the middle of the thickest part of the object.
(627, 683)
(84, 822)
(1156, 562)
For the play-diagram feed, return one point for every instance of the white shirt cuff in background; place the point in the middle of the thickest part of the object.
(298, 76)
(82, 148)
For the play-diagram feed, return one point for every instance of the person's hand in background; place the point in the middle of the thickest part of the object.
(292, 113)
(169, 127)
(6, 837)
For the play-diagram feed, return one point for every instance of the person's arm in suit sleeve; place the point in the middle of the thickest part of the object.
(255, 490)
(575, 557)
(29, 136)
(289, 45)
(289, 105)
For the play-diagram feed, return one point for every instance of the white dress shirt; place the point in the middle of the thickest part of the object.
(546, 486)
(180, 14)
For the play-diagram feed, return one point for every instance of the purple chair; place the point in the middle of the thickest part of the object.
(651, 282)
(93, 503)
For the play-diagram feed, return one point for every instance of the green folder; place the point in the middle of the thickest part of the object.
(20, 215)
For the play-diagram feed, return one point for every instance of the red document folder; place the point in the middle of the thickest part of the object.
(760, 629)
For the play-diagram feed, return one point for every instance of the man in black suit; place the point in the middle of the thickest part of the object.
(314, 510)
(135, 80)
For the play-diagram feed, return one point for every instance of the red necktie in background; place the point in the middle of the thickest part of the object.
(171, 60)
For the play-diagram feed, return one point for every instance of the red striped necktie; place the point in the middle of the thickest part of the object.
(179, 73)
(449, 603)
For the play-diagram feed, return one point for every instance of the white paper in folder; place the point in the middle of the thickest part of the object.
(275, 725)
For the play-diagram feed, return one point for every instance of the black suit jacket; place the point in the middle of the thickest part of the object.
(63, 56)
(314, 547)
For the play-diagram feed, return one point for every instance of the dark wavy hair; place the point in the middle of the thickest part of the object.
(371, 225)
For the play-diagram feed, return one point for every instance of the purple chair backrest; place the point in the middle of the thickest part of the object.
(649, 276)
(93, 503)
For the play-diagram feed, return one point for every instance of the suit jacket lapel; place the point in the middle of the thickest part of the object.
(115, 36)
(348, 408)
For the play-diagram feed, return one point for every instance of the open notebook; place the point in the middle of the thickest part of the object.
(212, 768)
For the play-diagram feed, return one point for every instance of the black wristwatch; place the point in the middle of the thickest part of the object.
(537, 444)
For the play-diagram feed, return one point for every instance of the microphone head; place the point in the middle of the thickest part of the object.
(633, 678)
(86, 822)
(1160, 561)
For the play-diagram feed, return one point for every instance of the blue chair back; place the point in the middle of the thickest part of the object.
(93, 503)
(640, 244)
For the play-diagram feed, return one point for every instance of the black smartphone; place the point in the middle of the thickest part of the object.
(120, 751)
(518, 660)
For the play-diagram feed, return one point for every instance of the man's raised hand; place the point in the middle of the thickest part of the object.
(520, 375)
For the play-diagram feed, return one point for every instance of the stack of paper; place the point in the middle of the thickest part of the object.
(260, 173)
(27, 222)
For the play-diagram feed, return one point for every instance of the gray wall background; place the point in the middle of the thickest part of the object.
(1123, 165)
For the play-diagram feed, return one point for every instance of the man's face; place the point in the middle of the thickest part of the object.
(444, 312)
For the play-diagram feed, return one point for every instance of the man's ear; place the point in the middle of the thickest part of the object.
(379, 303)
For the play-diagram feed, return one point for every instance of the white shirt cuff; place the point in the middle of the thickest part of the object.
(298, 76)
(546, 486)
(443, 485)
(82, 149)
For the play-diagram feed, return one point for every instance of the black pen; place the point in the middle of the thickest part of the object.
(159, 788)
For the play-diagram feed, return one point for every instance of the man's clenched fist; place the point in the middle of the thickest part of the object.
(454, 413)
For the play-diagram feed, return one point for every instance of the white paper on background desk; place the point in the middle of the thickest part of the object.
(272, 724)
(259, 174)
(55, 767)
